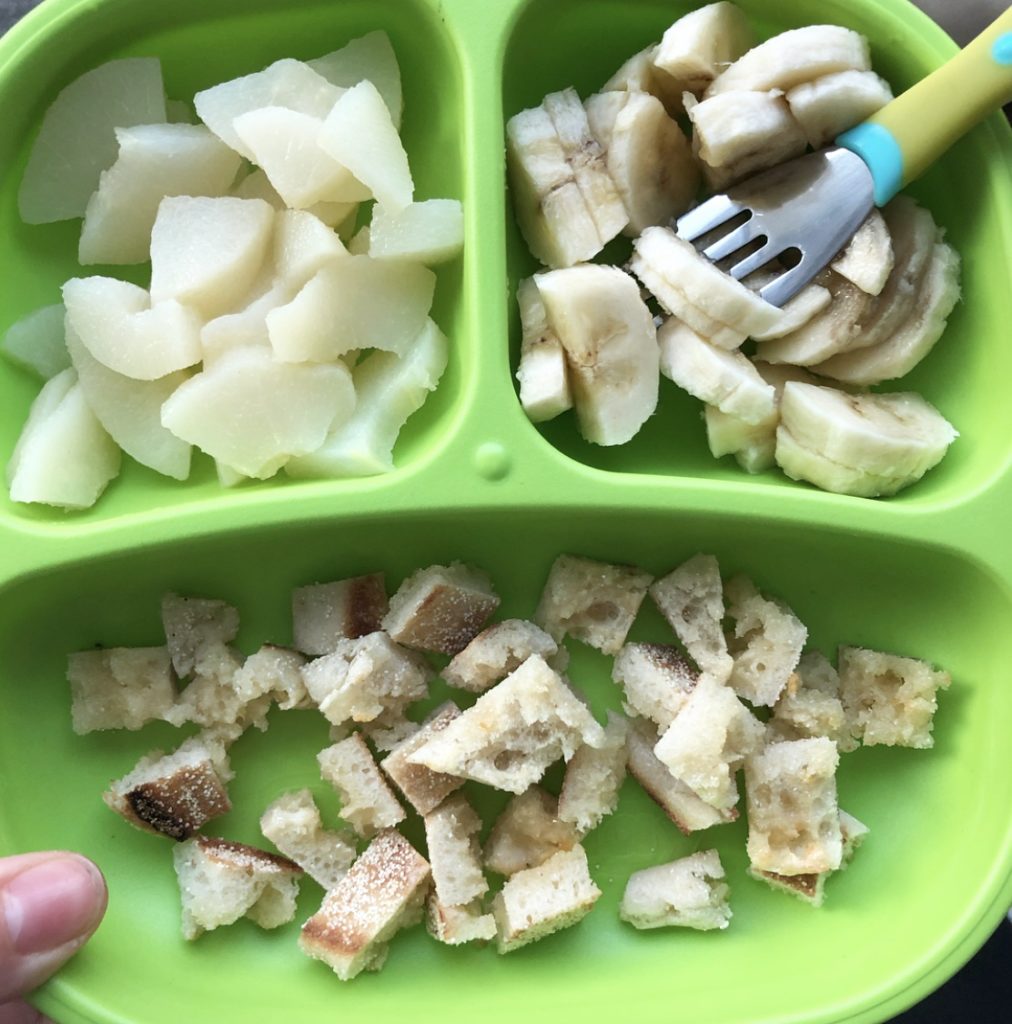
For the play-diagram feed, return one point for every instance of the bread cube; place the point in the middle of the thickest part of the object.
(221, 881)
(366, 800)
(674, 797)
(211, 698)
(888, 699)
(293, 824)
(591, 601)
(382, 893)
(527, 833)
(767, 643)
(709, 740)
(656, 680)
(194, 625)
(120, 687)
(423, 788)
(538, 901)
(793, 818)
(386, 731)
(496, 652)
(513, 732)
(690, 892)
(454, 926)
(692, 600)
(273, 672)
(441, 608)
(325, 613)
(451, 833)
(175, 794)
(364, 677)
(593, 778)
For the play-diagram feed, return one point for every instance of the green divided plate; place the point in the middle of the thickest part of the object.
(928, 573)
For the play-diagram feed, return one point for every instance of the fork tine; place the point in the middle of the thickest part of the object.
(708, 215)
(786, 285)
(754, 261)
(733, 240)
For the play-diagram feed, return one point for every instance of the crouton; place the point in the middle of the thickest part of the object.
(120, 687)
(539, 901)
(691, 599)
(193, 626)
(451, 834)
(293, 824)
(793, 818)
(211, 698)
(325, 613)
(767, 643)
(274, 672)
(367, 802)
(441, 608)
(496, 652)
(593, 778)
(591, 601)
(888, 699)
(384, 891)
(709, 740)
(423, 788)
(454, 926)
(174, 794)
(221, 881)
(690, 892)
(527, 833)
(656, 680)
(513, 732)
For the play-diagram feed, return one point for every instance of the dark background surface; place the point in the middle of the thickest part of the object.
(982, 992)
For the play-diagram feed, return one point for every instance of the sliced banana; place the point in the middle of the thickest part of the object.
(542, 374)
(899, 353)
(793, 57)
(610, 341)
(648, 156)
(697, 47)
(640, 74)
(867, 261)
(720, 378)
(797, 311)
(833, 103)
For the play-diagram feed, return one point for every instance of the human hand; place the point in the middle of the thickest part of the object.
(50, 904)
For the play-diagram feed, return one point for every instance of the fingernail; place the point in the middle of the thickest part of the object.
(52, 903)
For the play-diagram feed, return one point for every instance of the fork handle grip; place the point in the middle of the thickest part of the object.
(907, 135)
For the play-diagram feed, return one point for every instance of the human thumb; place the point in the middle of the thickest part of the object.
(50, 903)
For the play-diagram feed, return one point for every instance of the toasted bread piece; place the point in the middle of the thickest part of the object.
(539, 901)
(383, 892)
(365, 677)
(513, 732)
(889, 699)
(591, 601)
(767, 643)
(120, 687)
(527, 833)
(194, 625)
(174, 794)
(793, 817)
(454, 926)
(423, 788)
(451, 833)
(656, 680)
(366, 800)
(441, 608)
(496, 652)
(709, 740)
(293, 824)
(211, 698)
(274, 672)
(593, 778)
(690, 892)
(691, 599)
(325, 613)
(221, 881)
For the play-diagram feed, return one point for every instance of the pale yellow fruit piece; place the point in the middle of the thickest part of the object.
(369, 57)
(833, 103)
(700, 44)
(302, 245)
(36, 343)
(430, 232)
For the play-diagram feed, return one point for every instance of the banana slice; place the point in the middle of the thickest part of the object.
(542, 373)
(833, 103)
(640, 74)
(611, 348)
(720, 378)
(793, 57)
(648, 156)
(899, 353)
(684, 281)
(867, 261)
(897, 435)
(797, 311)
(697, 47)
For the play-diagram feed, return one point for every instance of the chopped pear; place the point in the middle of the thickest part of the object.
(36, 342)
(207, 252)
(122, 329)
(256, 185)
(253, 413)
(430, 232)
(369, 57)
(245, 328)
(77, 139)
(302, 245)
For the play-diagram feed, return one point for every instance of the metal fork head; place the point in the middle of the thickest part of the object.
(807, 208)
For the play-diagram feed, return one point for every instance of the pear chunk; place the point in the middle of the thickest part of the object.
(35, 342)
(430, 232)
(369, 57)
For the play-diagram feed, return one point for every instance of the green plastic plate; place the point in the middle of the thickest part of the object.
(928, 573)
